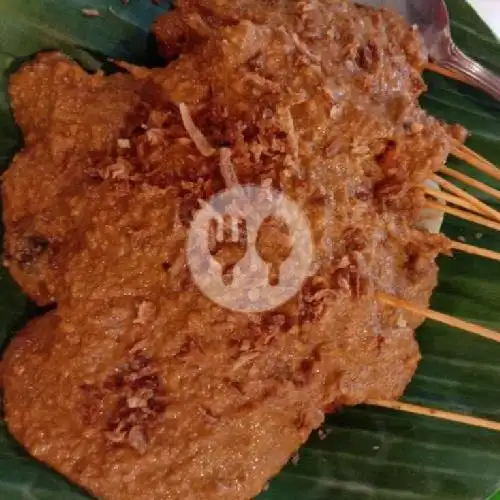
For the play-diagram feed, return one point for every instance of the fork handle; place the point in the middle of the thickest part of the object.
(477, 74)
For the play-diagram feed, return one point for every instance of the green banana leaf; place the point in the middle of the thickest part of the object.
(368, 453)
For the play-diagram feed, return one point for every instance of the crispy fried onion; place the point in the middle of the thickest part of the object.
(304, 49)
(194, 132)
(227, 168)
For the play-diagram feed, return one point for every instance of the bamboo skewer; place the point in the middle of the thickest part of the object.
(456, 245)
(454, 200)
(469, 202)
(446, 72)
(434, 412)
(471, 182)
(486, 209)
(440, 317)
(462, 214)
(473, 250)
(472, 158)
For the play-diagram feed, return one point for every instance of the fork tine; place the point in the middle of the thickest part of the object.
(218, 225)
(235, 229)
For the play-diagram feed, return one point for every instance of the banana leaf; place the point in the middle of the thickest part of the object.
(368, 453)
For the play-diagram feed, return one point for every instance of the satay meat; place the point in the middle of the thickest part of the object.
(137, 385)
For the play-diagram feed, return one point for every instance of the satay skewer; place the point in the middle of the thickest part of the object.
(460, 150)
(462, 214)
(454, 200)
(396, 302)
(473, 250)
(449, 186)
(436, 413)
(435, 68)
(495, 193)
(475, 160)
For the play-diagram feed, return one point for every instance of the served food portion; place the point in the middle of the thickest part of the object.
(137, 386)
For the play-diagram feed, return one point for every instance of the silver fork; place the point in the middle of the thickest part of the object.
(433, 20)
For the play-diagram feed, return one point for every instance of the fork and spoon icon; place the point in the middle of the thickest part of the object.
(231, 244)
(239, 254)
